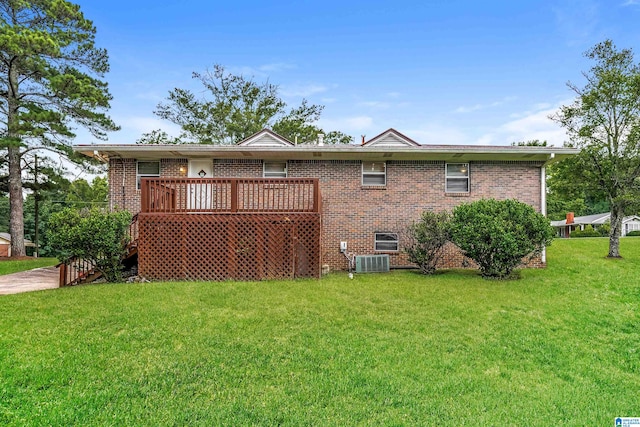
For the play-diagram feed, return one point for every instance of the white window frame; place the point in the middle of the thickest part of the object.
(282, 174)
(377, 240)
(366, 174)
(146, 175)
(447, 178)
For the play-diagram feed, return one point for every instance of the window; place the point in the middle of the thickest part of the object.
(457, 178)
(147, 169)
(374, 173)
(387, 242)
(274, 170)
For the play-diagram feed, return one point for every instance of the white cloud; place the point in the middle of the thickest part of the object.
(132, 128)
(303, 90)
(577, 20)
(532, 125)
(261, 71)
(437, 134)
(374, 104)
(276, 66)
(354, 125)
(631, 3)
(469, 109)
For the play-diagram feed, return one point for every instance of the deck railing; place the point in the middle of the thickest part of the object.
(224, 195)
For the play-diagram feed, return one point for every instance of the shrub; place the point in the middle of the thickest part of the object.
(585, 233)
(93, 235)
(498, 235)
(425, 240)
(633, 233)
(604, 229)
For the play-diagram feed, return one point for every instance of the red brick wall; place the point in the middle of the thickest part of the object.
(237, 168)
(352, 212)
(125, 195)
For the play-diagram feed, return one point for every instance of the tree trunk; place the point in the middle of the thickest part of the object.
(16, 218)
(16, 222)
(617, 215)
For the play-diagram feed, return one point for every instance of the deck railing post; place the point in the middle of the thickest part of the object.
(63, 275)
(234, 195)
(144, 195)
(316, 195)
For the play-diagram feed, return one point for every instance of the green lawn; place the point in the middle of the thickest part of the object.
(9, 266)
(561, 346)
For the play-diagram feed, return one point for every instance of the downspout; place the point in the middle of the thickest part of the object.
(543, 197)
(543, 203)
(124, 194)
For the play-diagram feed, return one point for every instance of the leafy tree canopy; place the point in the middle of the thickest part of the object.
(234, 108)
(50, 79)
(604, 122)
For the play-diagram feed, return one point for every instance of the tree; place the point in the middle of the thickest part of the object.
(82, 194)
(604, 122)
(530, 143)
(238, 107)
(499, 234)
(425, 240)
(50, 78)
(569, 190)
(93, 235)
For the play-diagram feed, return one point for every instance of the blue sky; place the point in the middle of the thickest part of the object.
(442, 72)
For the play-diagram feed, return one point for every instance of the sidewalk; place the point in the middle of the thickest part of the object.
(31, 280)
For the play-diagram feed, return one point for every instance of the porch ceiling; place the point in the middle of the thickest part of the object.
(460, 153)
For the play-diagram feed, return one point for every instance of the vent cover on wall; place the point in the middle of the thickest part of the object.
(372, 263)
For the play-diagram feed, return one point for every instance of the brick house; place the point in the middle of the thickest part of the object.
(204, 211)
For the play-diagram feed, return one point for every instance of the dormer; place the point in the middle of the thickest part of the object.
(391, 138)
(266, 138)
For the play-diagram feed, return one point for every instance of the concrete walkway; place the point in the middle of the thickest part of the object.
(37, 279)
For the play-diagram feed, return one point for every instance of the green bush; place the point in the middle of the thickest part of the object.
(93, 235)
(425, 240)
(633, 233)
(585, 233)
(499, 235)
(604, 229)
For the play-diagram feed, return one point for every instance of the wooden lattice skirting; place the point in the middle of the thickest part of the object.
(229, 246)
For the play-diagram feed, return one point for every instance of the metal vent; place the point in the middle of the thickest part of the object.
(372, 263)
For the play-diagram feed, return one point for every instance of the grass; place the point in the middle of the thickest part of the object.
(560, 346)
(8, 265)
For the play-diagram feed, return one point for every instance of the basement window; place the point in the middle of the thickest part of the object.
(374, 173)
(457, 178)
(274, 170)
(147, 170)
(386, 242)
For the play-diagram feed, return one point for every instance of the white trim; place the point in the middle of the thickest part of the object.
(373, 173)
(264, 169)
(446, 178)
(385, 138)
(138, 175)
(266, 138)
(193, 173)
(376, 241)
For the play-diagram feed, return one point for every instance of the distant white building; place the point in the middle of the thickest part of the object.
(571, 223)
